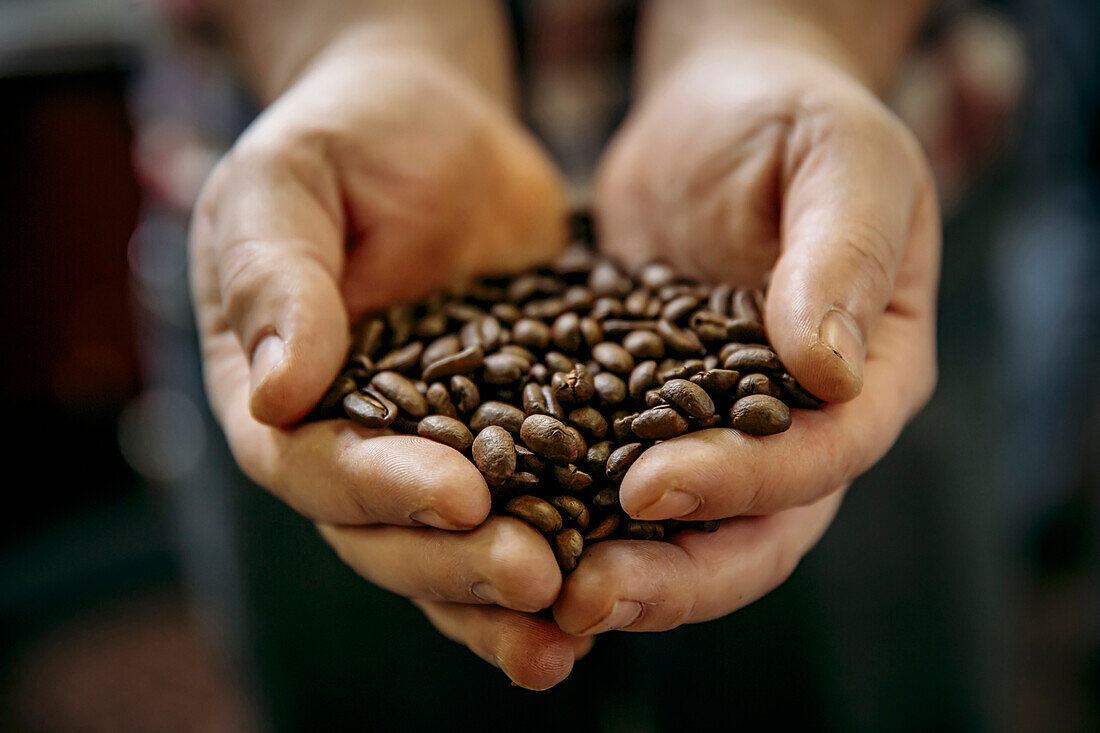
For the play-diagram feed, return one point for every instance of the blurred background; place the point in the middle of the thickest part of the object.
(146, 585)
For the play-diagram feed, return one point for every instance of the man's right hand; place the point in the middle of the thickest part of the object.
(381, 174)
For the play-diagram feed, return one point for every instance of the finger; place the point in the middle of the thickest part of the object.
(655, 586)
(267, 255)
(848, 214)
(504, 562)
(720, 473)
(532, 651)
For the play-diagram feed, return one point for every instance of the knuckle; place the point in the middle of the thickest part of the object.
(244, 272)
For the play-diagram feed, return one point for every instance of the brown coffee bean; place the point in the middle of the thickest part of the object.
(591, 331)
(485, 332)
(573, 508)
(741, 329)
(658, 423)
(464, 362)
(549, 437)
(605, 529)
(497, 413)
(678, 339)
(568, 546)
(638, 530)
(566, 331)
(613, 357)
(341, 387)
(578, 298)
(465, 392)
(571, 477)
(537, 512)
(522, 482)
(590, 420)
(503, 368)
(607, 308)
(689, 397)
(494, 453)
(605, 279)
(532, 333)
(719, 300)
(446, 430)
(430, 325)
(462, 312)
(637, 304)
(558, 362)
(528, 460)
(642, 379)
(679, 307)
(575, 387)
(653, 398)
(544, 309)
(799, 396)
(577, 259)
(580, 445)
(710, 326)
(506, 313)
(595, 459)
(369, 409)
(368, 338)
(644, 345)
(621, 425)
(525, 287)
(756, 384)
(615, 327)
(439, 400)
(444, 346)
(400, 319)
(610, 388)
(523, 353)
(760, 414)
(747, 305)
(656, 275)
(606, 498)
(401, 359)
(622, 459)
(752, 359)
(538, 373)
(716, 381)
(401, 391)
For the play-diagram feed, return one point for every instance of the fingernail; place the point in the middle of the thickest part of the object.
(265, 357)
(431, 518)
(624, 614)
(486, 592)
(672, 504)
(842, 335)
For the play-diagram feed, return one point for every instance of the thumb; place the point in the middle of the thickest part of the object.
(847, 212)
(266, 258)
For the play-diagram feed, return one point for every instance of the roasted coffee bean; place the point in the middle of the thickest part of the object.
(465, 392)
(756, 384)
(446, 430)
(606, 528)
(537, 512)
(595, 460)
(760, 414)
(568, 546)
(400, 318)
(577, 259)
(589, 420)
(439, 400)
(571, 477)
(545, 309)
(523, 353)
(610, 388)
(459, 311)
(642, 379)
(558, 362)
(369, 409)
(744, 330)
(504, 368)
(644, 345)
(532, 333)
(522, 482)
(401, 359)
(615, 327)
(679, 307)
(368, 338)
(710, 326)
(341, 388)
(690, 398)
(746, 306)
(637, 304)
(621, 425)
(549, 437)
(566, 331)
(658, 423)
(591, 331)
(572, 508)
(575, 387)
(638, 530)
(528, 460)
(538, 373)
(605, 279)
(431, 325)
(719, 300)
(578, 298)
(497, 413)
(716, 382)
(485, 332)
(752, 359)
(606, 498)
(525, 287)
(607, 307)
(444, 346)
(656, 275)
(622, 459)
(613, 357)
(678, 339)
(506, 313)
(799, 396)
(401, 391)
(464, 362)
(653, 398)
(494, 453)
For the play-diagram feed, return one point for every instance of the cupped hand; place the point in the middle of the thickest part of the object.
(380, 175)
(752, 165)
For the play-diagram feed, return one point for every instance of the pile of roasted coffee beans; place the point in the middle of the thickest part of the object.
(554, 381)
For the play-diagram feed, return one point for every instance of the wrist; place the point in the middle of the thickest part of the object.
(275, 42)
(835, 33)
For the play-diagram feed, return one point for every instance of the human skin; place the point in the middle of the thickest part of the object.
(390, 163)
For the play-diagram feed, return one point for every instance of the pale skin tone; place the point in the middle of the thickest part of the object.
(390, 163)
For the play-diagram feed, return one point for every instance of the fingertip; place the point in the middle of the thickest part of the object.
(535, 654)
